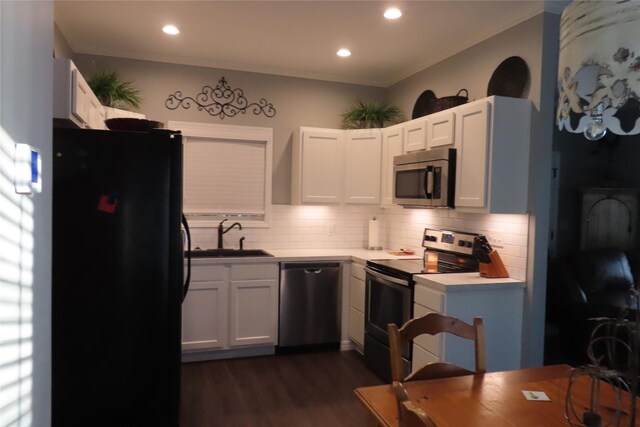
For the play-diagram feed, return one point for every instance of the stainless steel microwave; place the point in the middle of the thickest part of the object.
(425, 178)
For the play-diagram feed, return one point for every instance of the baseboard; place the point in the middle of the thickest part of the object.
(201, 356)
(350, 345)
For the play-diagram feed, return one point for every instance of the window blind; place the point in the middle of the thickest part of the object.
(224, 176)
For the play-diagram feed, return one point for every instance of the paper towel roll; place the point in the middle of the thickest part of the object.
(374, 235)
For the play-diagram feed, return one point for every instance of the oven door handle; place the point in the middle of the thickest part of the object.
(382, 278)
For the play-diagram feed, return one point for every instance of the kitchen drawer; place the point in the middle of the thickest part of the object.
(357, 270)
(356, 326)
(431, 343)
(356, 294)
(429, 298)
(254, 271)
(421, 357)
(207, 273)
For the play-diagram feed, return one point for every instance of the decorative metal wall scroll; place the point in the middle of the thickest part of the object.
(220, 101)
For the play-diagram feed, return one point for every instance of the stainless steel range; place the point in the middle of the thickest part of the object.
(390, 286)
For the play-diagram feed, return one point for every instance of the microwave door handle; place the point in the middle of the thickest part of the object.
(429, 182)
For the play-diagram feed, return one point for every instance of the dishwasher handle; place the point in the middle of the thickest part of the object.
(309, 267)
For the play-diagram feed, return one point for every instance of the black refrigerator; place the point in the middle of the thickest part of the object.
(117, 277)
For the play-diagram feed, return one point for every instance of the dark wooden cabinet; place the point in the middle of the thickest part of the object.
(609, 218)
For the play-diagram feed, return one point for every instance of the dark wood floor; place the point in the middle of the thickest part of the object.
(302, 390)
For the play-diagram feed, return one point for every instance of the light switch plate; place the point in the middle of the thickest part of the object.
(27, 169)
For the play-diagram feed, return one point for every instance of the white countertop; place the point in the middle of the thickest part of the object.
(360, 255)
(449, 282)
(465, 281)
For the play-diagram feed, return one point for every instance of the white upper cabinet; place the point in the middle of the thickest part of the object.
(73, 99)
(363, 163)
(96, 113)
(415, 135)
(471, 156)
(492, 138)
(336, 166)
(318, 165)
(440, 129)
(392, 144)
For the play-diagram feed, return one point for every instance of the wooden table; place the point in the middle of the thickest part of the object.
(493, 399)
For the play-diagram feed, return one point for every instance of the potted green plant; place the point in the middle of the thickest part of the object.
(113, 92)
(365, 115)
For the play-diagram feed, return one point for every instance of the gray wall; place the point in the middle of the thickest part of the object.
(61, 48)
(535, 40)
(299, 102)
(26, 37)
(472, 68)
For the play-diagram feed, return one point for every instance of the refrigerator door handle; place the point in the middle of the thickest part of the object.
(187, 279)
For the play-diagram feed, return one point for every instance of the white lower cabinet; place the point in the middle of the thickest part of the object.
(229, 307)
(356, 303)
(498, 301)
(254, 305)
(204, 310)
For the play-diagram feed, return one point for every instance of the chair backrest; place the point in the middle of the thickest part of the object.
(432, 324)
(409, 414)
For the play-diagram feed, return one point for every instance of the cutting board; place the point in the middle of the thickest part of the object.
(400, 253)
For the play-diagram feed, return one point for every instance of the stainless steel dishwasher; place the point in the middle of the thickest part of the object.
(310, 303)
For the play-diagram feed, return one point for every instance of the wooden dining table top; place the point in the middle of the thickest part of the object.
(495, 399)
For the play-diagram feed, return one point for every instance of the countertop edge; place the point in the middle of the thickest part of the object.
(457, 282)
(283, 255)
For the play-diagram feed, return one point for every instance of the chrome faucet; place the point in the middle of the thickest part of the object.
(222, 231)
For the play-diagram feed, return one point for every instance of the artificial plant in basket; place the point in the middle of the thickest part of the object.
(112, 91)
(365, 115)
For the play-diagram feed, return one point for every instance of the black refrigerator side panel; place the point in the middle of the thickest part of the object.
(116, 278)
(176, 279)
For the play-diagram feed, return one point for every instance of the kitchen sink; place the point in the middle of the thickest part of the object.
(228, 253)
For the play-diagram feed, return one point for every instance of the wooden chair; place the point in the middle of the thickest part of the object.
(409, 414)
(434, 323)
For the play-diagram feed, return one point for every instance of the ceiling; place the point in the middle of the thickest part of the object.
(292, 38)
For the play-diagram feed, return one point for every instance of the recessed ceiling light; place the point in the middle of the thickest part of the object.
(344, 53)
(392, 13)
(171, 29)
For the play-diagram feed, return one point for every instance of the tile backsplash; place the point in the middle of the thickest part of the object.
(343, 227)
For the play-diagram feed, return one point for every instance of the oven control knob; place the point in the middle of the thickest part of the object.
(462, 243)
(469, 244)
